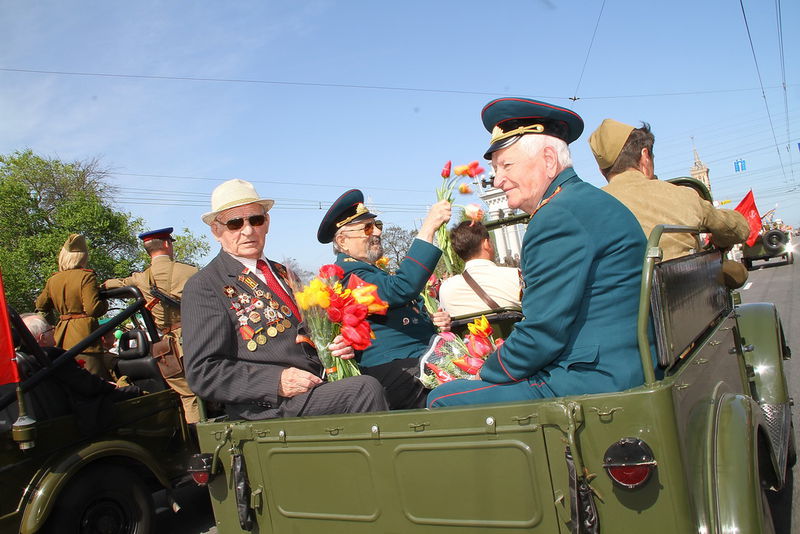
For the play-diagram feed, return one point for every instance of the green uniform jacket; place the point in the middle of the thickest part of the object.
(73, 292)
(406, 329)
(581, 263)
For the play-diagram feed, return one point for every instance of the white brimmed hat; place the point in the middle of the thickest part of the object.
(232, 194)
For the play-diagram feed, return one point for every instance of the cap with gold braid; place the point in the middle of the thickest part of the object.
(347, 209)
(508, 119)
(607, 141)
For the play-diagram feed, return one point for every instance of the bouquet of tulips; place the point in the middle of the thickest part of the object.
(451, 357)
(445, 192)
(329, 309)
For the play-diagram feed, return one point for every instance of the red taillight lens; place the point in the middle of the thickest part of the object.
(630, 476)
(200, 477)
(629, 462)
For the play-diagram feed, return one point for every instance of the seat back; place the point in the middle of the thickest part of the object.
(137, 364)
(688, 297)
(501, 319)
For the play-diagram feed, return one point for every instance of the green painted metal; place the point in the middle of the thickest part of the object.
(759, 326)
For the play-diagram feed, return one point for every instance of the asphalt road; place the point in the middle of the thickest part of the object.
(778, 282)
(770, 282)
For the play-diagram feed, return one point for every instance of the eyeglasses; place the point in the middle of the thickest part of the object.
(238, 222)
(368, 228)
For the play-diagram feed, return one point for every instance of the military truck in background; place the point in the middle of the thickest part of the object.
(773, 242)
(697, 448)
(75, 466)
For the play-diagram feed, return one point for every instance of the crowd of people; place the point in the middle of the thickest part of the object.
(236, 336)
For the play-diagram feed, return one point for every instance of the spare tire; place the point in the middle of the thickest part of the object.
(774, 241)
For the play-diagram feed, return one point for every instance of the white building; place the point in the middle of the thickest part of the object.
(507, 239)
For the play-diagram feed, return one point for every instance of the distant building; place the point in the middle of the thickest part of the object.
(699, 170)
(508, 239)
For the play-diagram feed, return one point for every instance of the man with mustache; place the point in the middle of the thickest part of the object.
(581, 264)
(403, 334)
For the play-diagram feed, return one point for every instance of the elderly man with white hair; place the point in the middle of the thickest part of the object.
(244, 342)
(581, 265)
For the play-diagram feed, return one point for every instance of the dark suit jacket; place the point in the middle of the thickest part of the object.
(219, 366)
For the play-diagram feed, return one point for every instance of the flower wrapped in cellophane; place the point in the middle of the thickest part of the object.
(451, 357)
(329, 310)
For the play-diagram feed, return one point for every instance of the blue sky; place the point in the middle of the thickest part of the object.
(309, 98)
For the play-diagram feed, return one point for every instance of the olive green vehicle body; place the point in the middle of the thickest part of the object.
(771, 244)
(502, 468)
(145, 437)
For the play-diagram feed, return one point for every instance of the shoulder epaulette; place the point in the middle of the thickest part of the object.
(350, 260)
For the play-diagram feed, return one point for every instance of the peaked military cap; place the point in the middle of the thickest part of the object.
(347, 209)
(509, 118)
(161, 233)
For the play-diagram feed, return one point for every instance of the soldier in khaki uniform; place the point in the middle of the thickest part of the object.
(73, 293)
(625, 157)
(168, 276)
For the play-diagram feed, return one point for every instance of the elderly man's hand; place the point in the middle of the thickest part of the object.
(295, 381)
(340, 348)
(442, 320)
(438, 215)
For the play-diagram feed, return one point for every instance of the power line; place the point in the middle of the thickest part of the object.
(368, 87)
(779, 20)
(586, 60)
(761, 83)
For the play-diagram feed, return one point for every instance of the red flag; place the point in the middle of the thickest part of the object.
(8, 363)
(747, 207)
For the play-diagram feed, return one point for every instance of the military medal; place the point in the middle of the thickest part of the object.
(246, 331)
(261, 339)
(406, 321)
(271, 314)
(279, 327)
(252, 345)
(229, 291)
(242, 320)
(274, 304)
(248, 281)
(255, 317)
(259, 292)
(259, 304)
(286, 323)
(286, 311)
(244, 298)
(272, 331)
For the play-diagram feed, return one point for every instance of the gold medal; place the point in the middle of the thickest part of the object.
(285, 310)
(274, 304)
(261, 339)
(286, 323)
(272, 331)
(252, 345)
(255, 317)
(279, 327)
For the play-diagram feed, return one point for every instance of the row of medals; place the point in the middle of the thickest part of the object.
(252, 309)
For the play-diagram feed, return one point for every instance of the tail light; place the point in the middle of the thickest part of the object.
(200, 468)
(629, 462)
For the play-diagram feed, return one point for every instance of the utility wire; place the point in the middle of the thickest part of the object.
(371, 87)
(588, 52)
(779, 19)
(761, 83)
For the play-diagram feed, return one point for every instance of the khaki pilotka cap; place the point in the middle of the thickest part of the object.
(76, 243)
(607, 141)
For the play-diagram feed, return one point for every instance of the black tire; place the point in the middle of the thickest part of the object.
(774, 242)
(103, 499)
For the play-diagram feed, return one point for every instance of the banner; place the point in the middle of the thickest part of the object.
(747, 207)
(8, 363)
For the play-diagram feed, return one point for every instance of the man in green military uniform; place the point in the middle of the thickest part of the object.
(165, 277)
(403, 334)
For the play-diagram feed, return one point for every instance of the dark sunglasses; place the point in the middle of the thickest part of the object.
(238, 222)
(368, 228)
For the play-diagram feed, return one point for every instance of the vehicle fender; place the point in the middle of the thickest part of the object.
(733, 470)
(55, 477)
(762, 339)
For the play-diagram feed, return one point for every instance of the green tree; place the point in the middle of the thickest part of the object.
(396, 241)
(42, 201)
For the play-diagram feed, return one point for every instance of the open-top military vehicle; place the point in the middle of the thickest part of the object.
(694, 449)
(773, 242)
(73, 463)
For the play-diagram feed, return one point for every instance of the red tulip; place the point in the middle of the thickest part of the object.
(442, 376)
(479, 346)
(469, 364)
(331, 271)
(446, 169)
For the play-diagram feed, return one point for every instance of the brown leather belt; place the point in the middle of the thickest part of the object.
(68, 316)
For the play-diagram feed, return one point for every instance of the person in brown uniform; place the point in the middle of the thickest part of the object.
(73, 294)
(162, 286)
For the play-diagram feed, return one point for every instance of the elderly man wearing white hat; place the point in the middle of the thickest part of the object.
(243, 337)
